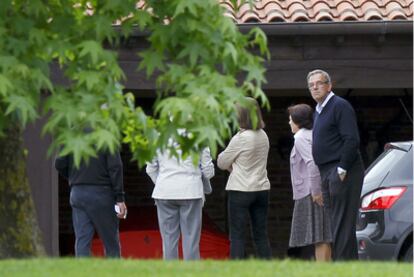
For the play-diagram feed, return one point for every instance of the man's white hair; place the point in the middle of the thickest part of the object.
(319, 71)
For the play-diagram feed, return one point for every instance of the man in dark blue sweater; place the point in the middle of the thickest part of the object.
(336, 152)
(96, 187)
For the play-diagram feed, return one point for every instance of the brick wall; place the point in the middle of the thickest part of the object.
(380, 119)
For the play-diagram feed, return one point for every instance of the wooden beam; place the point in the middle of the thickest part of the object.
(344, 73)
(354, 61)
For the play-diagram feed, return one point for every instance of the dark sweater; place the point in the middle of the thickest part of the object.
(104, 170)
(335, 134)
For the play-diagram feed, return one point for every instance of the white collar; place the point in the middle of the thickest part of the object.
(319, 107)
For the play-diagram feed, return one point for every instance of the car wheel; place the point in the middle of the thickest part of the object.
(408, 256)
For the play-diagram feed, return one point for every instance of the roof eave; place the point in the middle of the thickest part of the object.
(379, 27)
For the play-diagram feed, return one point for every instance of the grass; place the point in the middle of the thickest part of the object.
(288, 268)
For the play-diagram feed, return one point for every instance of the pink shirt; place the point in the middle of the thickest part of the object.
(305, 175)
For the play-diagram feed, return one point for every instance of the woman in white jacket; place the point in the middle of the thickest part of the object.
(179, 197)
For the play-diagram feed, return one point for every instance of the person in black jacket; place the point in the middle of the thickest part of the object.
(335, 151)
(96, 187)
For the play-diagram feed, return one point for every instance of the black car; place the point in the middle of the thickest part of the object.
(385, 221)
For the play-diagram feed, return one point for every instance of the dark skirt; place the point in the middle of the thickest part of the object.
(310, 223)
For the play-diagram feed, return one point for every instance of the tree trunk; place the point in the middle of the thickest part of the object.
(19, 232)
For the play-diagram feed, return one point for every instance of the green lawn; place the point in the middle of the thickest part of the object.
(288, 268)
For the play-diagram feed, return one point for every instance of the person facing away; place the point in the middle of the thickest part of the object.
(248, 185)
(335, 151)
(179, 197)
(310, 219)
(95, 188)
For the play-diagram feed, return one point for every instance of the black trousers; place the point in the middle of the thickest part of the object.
(343, 200)
(93, 209)
(241, 205)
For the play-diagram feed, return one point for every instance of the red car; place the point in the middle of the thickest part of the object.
(141, 239)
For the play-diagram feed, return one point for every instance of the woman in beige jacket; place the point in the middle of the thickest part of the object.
(248, 186)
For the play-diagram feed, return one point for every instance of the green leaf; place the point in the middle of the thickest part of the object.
(37, 37)
(105, 140)
(255, 71)
(90, 79)
(104, 28)
(151, 60)
(7, 61)
(193, 51)
(190, 5)
(78, 146)
(90, 48)
(260, 39)
(231, 50)
(141, 17)
(5, 85)
(23, 106)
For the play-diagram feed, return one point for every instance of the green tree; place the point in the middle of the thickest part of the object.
(202, 63)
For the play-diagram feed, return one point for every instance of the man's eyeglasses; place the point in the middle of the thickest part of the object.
(318, 84)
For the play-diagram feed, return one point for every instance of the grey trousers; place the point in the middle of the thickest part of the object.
(93, 209)
(180, 216)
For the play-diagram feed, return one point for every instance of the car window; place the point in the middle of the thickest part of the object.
(403, 171)
(383, 164)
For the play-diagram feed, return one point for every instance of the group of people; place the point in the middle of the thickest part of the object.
(326, 174)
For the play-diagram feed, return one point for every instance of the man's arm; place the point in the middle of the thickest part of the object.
(115, 170)
(206, 164)
(348, 130)
(152, 169)
(62, 166)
